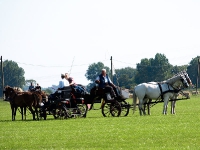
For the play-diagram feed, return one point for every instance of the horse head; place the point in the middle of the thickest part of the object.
(181, 81)
(187, 77)
(9, 93)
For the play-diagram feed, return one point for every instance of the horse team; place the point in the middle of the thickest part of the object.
(23, 100)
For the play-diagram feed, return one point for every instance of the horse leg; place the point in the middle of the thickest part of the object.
(144, 108)
(24, 113)
(141, 108)
(36, 111)
(148, 106)
(32, 111)
(173, 104)
(13, 112)
(165, 106)
(146, 103)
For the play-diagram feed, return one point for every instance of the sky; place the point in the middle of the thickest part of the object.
(50, 37)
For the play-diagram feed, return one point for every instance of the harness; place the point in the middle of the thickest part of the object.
(169, 90)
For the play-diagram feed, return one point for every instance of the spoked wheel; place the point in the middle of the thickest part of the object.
(82, 109)
(60, 112)
(112, 108)
(105, 110)
(115, 109)
(125, 108)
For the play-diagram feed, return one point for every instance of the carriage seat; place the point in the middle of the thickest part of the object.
(67, 92)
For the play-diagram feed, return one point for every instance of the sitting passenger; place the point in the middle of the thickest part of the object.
(38, 87)
(63, 82)
(78, 88)
(31, 87)
(69, 79)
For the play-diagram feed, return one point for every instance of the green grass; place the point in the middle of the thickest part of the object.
(157, 131)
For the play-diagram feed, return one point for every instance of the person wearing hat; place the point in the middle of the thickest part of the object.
(62, 82)
(105, 83)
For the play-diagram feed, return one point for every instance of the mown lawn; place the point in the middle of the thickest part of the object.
(157, 131)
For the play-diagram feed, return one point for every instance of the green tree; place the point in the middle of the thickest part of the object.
(13, 75)
(28, 83)
(125, 77)
(142, 71)
(176, 69)
(192, 70)
(93, 71)
(47, 91)
(154, 69)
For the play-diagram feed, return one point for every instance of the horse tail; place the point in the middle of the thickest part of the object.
(134, 100)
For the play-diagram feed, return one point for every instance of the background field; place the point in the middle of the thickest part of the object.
(157, 131)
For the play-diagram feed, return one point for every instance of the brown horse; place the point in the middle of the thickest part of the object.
(23, 109)
(23, 99)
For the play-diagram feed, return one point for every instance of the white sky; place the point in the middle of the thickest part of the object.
(47, 37)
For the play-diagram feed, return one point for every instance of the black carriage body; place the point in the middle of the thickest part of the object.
(65, 103)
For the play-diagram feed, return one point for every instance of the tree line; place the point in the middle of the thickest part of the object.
(153, 69)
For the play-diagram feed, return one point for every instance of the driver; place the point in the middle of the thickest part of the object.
(105, 83)
(31, 87)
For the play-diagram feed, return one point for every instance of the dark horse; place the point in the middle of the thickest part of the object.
(22, 100)
(8, 98)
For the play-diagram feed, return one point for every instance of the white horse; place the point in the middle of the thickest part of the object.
(165, 90)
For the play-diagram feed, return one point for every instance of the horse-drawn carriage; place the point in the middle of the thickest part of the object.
(65, 103)
(110, 106)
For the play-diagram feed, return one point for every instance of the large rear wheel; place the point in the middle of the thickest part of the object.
(113, 109)
(60, 112)
(125, 108)
(82, 109)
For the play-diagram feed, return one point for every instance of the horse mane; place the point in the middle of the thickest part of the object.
(172, 80)
(18, 89)
(176, 77)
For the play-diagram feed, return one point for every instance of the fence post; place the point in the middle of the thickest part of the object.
(2, 76)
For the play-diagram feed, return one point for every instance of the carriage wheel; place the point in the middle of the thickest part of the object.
(124, 108)
(113, 109)
(105, 109)
(60, 112)
(82, 108)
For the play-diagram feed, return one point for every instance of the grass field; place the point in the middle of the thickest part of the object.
(157, 131)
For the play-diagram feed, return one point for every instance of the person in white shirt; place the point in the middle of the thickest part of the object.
(63, 82)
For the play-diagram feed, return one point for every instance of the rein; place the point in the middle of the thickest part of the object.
(162, 93)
